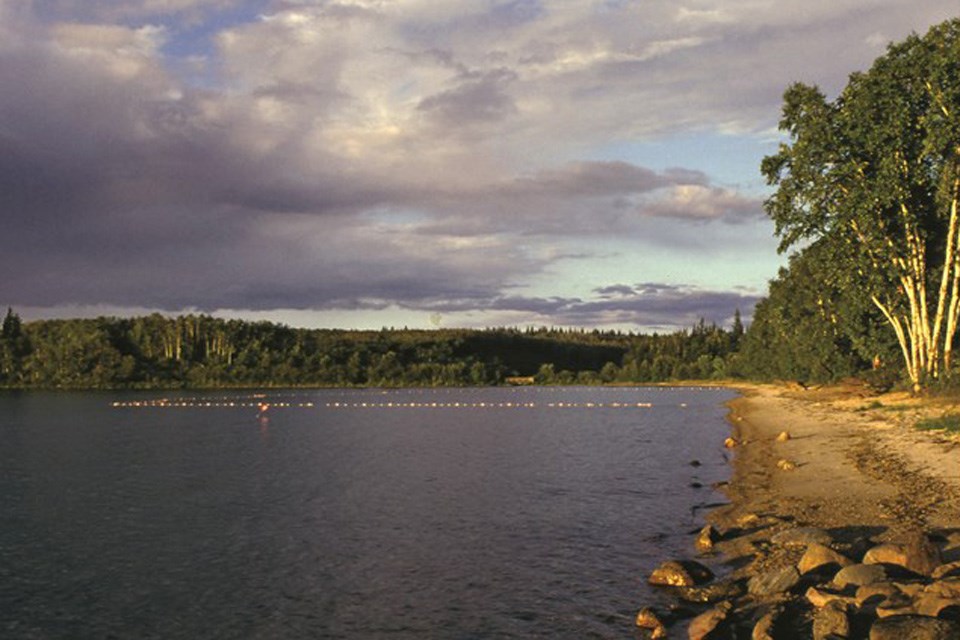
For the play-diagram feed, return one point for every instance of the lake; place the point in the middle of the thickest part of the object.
(451, 513)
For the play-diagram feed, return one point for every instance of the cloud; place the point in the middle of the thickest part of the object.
(479, 100)
(614, 291)
(603, 178)
(592, 199)
(702, 202)
(364, 154)
(111, 10)
(654, 306)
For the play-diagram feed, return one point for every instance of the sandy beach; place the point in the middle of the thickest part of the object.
(843, 521)
(859, 460)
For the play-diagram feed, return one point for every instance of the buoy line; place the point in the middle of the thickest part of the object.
(191, 404)
(178, 404)
(488, 405)
(379, 398)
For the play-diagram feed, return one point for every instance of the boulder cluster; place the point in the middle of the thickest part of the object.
(804, 582)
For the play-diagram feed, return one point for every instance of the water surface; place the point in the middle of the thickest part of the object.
(469, 513)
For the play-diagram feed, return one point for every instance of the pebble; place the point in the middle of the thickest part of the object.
(764, 629)
(878, 596)
(859, 575)
(831, 622)
(773, 582)
(914, 627)
(917, 554)
(818, 555)
(707, 622)
(680, 573)
(802, 537)
(706, 539)
(648, 618)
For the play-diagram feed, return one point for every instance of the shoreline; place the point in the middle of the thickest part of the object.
(857, 456)
(852, 474)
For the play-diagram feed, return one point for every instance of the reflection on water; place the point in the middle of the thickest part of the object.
(471, 513)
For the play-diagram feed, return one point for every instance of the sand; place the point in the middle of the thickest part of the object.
(855, 471)
(858, 461)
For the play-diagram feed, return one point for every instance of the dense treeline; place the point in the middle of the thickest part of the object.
(201, 351)
(868, 199)
(811, 330)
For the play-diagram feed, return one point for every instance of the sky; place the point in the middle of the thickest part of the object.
(418, 163)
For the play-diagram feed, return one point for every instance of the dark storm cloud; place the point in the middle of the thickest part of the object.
(240, 271)
(508, 15)
(541, 306)
(112, 191)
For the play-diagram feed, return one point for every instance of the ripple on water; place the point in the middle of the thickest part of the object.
(497, 513)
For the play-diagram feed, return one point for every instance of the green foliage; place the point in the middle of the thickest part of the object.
(866, 192)
(705, 352)
(883, 378)
(948, 423)
(201, 351)
(14, 345)
(811, 329)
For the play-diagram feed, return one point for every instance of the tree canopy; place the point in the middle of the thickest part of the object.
(872, 179)
(201, 351)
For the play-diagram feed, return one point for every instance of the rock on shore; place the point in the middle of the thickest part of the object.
(858, 537)
(812, 590)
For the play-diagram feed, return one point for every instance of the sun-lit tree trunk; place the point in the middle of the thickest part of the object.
(907, 306)
(951, 279)
(927, 341)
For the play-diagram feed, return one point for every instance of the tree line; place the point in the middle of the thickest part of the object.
(201, 351)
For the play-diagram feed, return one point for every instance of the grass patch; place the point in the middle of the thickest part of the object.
(897, 407)
(950, 424)
(876, 405)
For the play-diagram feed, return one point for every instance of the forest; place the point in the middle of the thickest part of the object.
(864, 198)
(200, 351)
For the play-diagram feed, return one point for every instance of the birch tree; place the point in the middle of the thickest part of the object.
(876, 172)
